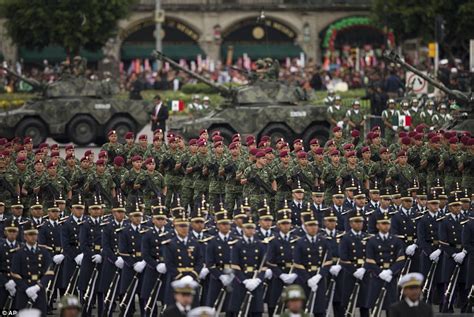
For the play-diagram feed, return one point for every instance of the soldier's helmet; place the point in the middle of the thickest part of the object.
(293, 292)
(69, 301)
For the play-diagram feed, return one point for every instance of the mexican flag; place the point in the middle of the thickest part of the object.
(176, 105)
(404, 121)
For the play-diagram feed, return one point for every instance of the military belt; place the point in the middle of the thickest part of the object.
(249, 269)
(223, 266)
(185, 269)
(385, 265)
(433, 242)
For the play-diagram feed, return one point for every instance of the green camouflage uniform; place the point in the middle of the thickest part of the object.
(173, 177)
(103, 183)
(233, 188)
(78, 180)
(402, 175)
(8, 185)
(356, 118)
(414, 159)
(156, 154)
(336, 114)
(187, 183)
(428, 118)
(467, 159)
(113, 150)
(201, 181)
(280, 174)
(217, 182)
(305, 174)
(129, 179)
(379, 171)
(67, 172)
(357, 172)
(137, 150)
(150, 182)
(329, 176)
(53, 187)
(432, 157)
(391, 115)
(452, 174)
(256, 193)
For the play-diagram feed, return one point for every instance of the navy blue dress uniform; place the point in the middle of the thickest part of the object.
(31, 266)
(468, 244)
(372, 205)
(153, 254)
(182, 256)
(312, 255)
(333, 238)
(280, 260)
(19, 220)
(350, 185)
(342, 210)
(7, 250)
(217, 260)
(70, 229)
(383, 252)
(319, 209)
(450, 238)
(239, 214)
(404, 227)
(248, 263)
(372, 217)
(358, 194)
(352, 252)
(428, 242)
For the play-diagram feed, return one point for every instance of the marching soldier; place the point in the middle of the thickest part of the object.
(401, 173)
(214, 165)
(390, 120)
(450, 239)
(52, 185)
(294, 298)
(233, 188)
(336, 113)
(80, 175)
(128, 185)
(412, 303)
(297, 204)
(151, 182)
(201, 175)
(187, 184)
(36, 214)
(468, 244)
(384, 260)
(384, 207)
(355, 118)
(113, 147)
(100, 182)
(359, 205)
(90, 258)
(172, 166)
(70, 241)
(302, 171)
(17, 216)
(9, 185)
(352, 258)
(317, 206)
(248, 263)
(8, 248)
(31, 270)
(330, 177)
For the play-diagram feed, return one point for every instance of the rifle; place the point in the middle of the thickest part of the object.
(50, 188)
(257, 180)
(304, 179)
(100, 191)
(244, 309)
(150, 185)
(7, 186)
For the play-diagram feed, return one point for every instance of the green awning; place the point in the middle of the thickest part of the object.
(55, 53)
(274, 50)
(174, 51)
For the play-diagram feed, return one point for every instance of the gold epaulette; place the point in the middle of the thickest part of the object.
(440, 218)
(327, 263)
(340, 235)
(268, 239)
(400, 258)
(233, 242)
(235, 267)
(104, 224)
(119, 229)
(14, 275)
(206, 239)
(163, 234)
(464, 222)
(144, 230)
(46, 247)
(442, 242)
(40, 225)
(124, 254)
(294, 240)
(165, 241)
(298, 266)
(371, 261)
(49, 272)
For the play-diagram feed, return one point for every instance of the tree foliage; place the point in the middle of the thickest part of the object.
(72, 24)
(416, 19)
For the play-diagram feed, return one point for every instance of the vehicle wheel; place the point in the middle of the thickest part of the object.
(277, 131)
(225, 133)
(62, 139)
(317, 131)
(121, 125)
(82, 130)
(34, 128)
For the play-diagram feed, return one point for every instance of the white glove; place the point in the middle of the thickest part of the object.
(58, 258)
(246, 281)
(459, 257)
(335, 269)
(288, 278)
(434, 256)
(203, 273)
(79, 258)
(32, 291)
(97, 258)
(313, 282)
(395, 128)
(253, 284)
(161, 268)
(12, 292)
(139, 266)
(386, 275)
(226, 279)
(410, 250)
(359, 273)
(119, 263)
(10, 285)
(340, 124)
(268, 274)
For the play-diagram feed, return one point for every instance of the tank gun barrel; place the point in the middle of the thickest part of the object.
(221, 89)
(395, 58)
(34, 83)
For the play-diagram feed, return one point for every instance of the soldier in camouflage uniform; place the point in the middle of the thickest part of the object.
(140, 148)
(319, 162)
(233, 188)
(367, 163)
(467, 165)
(151, 182)
(390, 120)
(401, 172)
(414, 157)
(336, 113)
(69, 168)
(200, 174)
(353, 170)
(280, 175)
(156, 150)
(303, 172)
(79, 177)
(258, 182)
(330, 177)
(187, 184)
(51, 185)
(99, 183)
(428, 115)
(9, 187)
(450, 163)
(128, 185)
(170, 163)
(116, 171)
(379, 170)
(215, 166)
(113, 147)
(415, 112)
(355, 118)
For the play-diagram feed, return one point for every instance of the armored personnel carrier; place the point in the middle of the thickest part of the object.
(73, 109)
(265, 106)
(462, 122)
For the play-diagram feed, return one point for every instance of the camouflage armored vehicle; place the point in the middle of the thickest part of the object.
(73, 109)
(461, 123)
(265, 106)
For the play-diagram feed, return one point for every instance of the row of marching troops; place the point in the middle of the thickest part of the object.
(346, 255)
(267, 169)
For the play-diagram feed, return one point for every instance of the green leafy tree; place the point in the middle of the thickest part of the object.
(416, 19)
(72, 24)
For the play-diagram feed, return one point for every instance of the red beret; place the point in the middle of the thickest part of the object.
(100, 162)
(192, 142)
(111, 132)
(330, 143)
(149, 160)
(301, 155)
(402, 153)
(253, 151)
(313, 141)
(20, 159)
(465, 139)
(51, 164)
(418, 137)
(3, 141)
(334, 153)
(261, 144)
(297, 141)
(156, 138)
(38, 151)
(249, 138)
(384, 150)
(350, 153)
(402, 134)
(280, 140)
(69, 147)
(6, 153)
(20, 148)
(143, 137)
(265, 138)
(448, 135)
(268, 150)
(119, 161)
(88, 152)
(453, 140)
(355, 133)
(236, 135)
(420, 128)
(370, 135)
(284, 153)
(376, 128)
(233, 145)
(43, 145)
(406, 140)
(365, 149)
(54, 146)
(215, 132)
(202, 143)
(27, 140)
(84, 158)
(250, 142)
(69, 156)
(102, 154)
(411, 134)
(260, 154)
(218, 143)
(129, 135)
(39, 161)
(348, 146)
(55, 154)
(170, 134)
(319, 151)
(136, 158)
(217, 138)
(202, 131)
(336, 129)
(431, 134)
